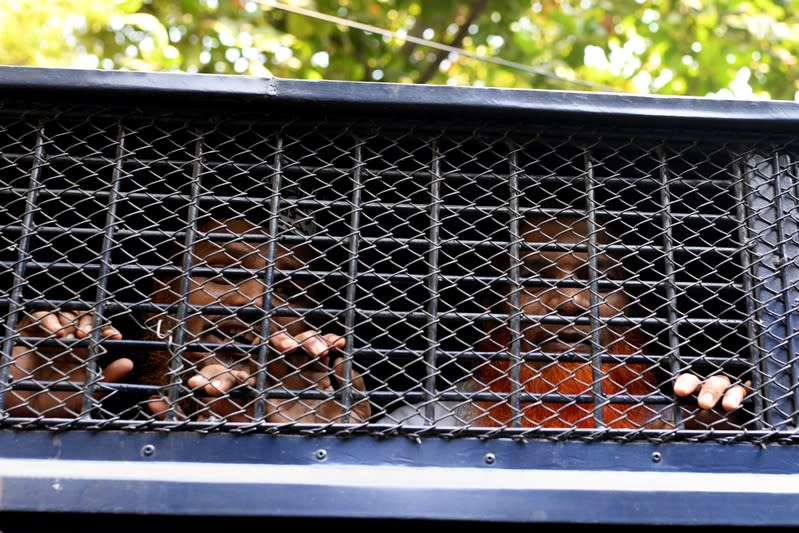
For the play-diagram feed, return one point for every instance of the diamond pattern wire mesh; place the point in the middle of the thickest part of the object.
(283, 275)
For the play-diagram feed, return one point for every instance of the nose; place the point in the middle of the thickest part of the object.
(567, 301)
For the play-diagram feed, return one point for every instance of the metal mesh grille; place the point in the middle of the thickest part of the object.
(484, 280)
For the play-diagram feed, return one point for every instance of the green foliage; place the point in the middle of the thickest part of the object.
(731, 48)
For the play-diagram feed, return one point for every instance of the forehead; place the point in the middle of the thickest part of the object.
(232, 240)
(566, 230)
(231, 227)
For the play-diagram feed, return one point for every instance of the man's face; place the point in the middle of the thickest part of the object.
(567, 297)
(239, 265)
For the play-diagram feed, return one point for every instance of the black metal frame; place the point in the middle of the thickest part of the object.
(690, 478)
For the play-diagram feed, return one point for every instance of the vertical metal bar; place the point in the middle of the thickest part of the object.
(597, 350)
(102, 293)
(352, 275)
(753, 318)
(515, 294)
(178, 343)
(769, 220)
(789, 271)
(264, 349)
(666, 220)
(431, 352)
(23, 257)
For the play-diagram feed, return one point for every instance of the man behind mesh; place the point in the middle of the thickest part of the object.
(217, 359)
(557, 335)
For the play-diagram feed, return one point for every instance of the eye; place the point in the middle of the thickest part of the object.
(283, 292)
(535, 265)
(583, 273)
(611, 269)
(207, 270)
(218, 272)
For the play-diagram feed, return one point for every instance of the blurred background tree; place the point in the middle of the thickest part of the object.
(728, 48)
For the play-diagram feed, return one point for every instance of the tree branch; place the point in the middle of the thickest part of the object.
(475, 9)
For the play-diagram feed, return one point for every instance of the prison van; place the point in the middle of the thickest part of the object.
(233, 300)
